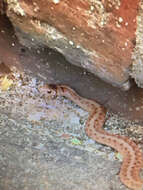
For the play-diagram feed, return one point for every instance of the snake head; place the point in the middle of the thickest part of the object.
(48, 90)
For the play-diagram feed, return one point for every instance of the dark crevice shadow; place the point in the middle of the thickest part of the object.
(50, 66)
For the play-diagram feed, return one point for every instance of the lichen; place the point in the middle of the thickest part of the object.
(15, 6)
(97, 7)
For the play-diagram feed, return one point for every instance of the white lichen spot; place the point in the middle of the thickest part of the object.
(126, 23)
(91, 23)
(56, 1)
(71, 43)
(92, 8)
(36, 7)
(137, 108)
(134, 20)
(117, 8)
(38, 51)
(118, 25)
(101, 23)
(78, 46)
(126, 44)
(54, 37)
(120, 19)
(2, 31)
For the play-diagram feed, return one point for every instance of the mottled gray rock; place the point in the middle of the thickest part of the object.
(44, 147)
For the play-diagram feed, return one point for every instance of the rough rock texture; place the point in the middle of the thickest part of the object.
(51, 67)
(96, 35)
(137, 67)
(44, 147)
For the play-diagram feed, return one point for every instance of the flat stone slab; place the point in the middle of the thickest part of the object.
(54, 167)
(29, 162)
(44, 146)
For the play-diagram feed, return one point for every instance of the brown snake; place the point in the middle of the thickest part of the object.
(132, 155)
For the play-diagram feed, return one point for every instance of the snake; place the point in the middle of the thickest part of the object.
(132, 155)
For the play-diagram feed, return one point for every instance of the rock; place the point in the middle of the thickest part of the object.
(137, 66)
(50, 67)
(35, 155)
(2, 7)
(98, 36)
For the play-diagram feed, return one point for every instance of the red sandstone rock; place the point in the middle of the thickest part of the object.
(98, 35)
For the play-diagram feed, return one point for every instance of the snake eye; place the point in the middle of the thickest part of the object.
(49, 91)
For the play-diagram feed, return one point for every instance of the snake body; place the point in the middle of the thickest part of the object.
(132, 155)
